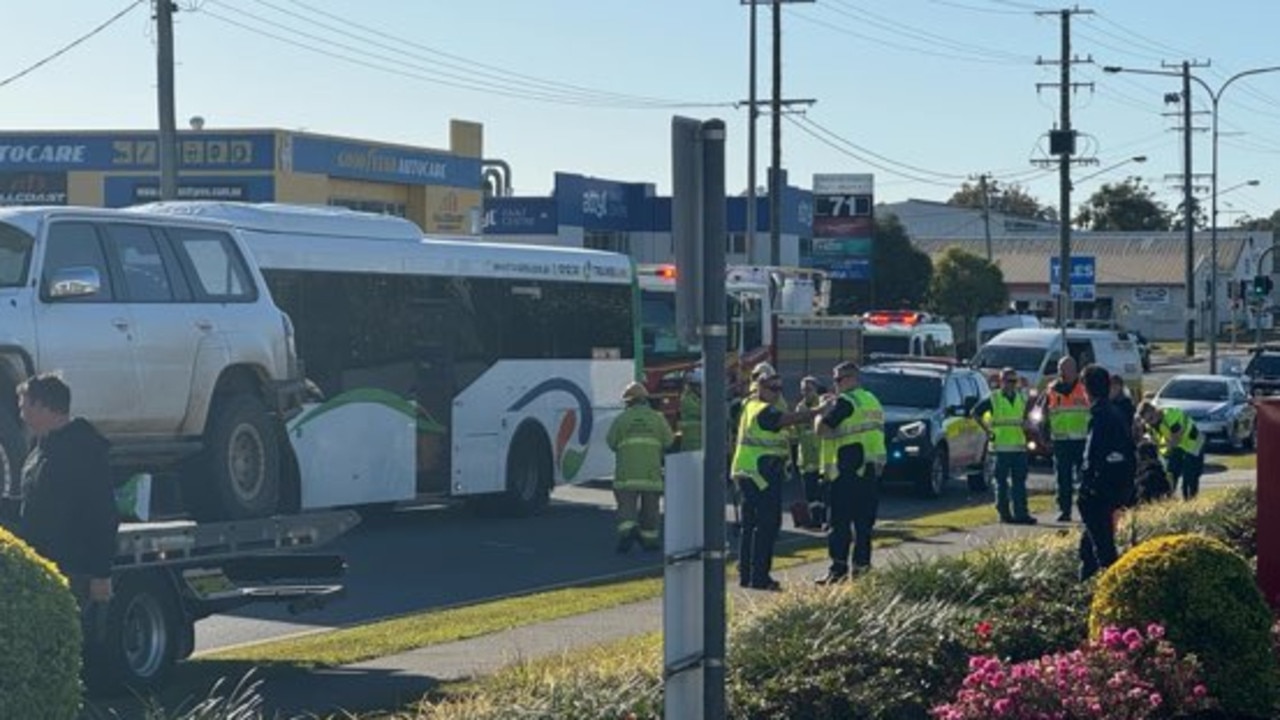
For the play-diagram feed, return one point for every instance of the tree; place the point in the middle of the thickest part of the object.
(900, 273)
(965, 286)
(1270, 223)
(1008, 199)
(1199, 218)
(1125, 206)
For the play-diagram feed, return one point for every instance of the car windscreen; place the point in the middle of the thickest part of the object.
(1024, 358)
(899, 390)
(15, 255)
(1204, 390)
(1268, 365)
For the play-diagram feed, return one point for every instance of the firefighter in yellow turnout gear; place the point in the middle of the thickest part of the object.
(638, 438)
(759, 470)
(691, 412)
(852, 446)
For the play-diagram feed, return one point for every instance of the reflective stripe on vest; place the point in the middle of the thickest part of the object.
(1069, 413)
(1006, 422)
(756, 443)
(853, 430)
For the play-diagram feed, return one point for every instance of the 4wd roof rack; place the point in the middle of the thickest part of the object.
(877, 358)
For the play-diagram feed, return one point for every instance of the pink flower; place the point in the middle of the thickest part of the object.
(1131, 636)
(983, 629)
(1002, 706)
(1156, 700)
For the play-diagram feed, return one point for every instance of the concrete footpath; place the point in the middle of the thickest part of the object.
(396, 681)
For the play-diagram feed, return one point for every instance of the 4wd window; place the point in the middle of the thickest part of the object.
(76, 244)
(15, 256)
(218, 270)
(899, 390)
(146, 279)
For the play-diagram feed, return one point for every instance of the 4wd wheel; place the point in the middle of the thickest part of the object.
(242, 457)
(934, 482)
(529, 477)
(135, 640)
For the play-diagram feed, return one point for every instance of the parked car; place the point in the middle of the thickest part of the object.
(1218, 404)
(929, 435)
(1263, 371)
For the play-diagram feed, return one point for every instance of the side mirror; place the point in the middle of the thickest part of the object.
(74, 282)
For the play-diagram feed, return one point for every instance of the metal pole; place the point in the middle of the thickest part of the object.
(168, 150)
(1212, 330)
(986, 214)
(715, 403)
(1064, 184)
(752, 115)
(1188, 210)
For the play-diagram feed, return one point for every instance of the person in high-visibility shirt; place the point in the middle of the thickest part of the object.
(638, 437)
(759, 469)
(691, 412)
(1181, 444)
(1067, 415)
(1003, 416)
(851, 437)
(808, 454)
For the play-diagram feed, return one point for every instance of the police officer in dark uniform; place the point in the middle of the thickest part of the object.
(1106, 476)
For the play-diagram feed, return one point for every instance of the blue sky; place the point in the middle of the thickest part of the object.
(931, 91)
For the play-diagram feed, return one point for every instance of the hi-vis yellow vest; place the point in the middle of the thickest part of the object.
(755, 443)
(1069, 413)
(1192, 441)
(1006, 422)
(864, 426)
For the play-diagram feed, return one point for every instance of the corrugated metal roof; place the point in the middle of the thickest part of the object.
(1122, 258)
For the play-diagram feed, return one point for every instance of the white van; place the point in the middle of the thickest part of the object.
(990, 326)
(1034, 353)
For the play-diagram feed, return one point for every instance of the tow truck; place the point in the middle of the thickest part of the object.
(167, 575)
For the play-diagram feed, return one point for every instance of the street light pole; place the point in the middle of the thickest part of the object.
(1214, 98)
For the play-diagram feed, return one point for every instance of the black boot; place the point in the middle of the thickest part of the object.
(626, 541)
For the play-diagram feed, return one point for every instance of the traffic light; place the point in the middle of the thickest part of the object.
(1262, 285)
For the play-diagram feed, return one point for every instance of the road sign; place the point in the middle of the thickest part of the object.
(1083, 272)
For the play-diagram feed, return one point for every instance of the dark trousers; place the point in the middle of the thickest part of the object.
(852, 501)
(761, 520)
(815, 495)
(1098, 539)
(1187, 468)
(1068, 456)
(1011, 467)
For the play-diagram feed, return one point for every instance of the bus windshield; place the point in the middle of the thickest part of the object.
(658, 328)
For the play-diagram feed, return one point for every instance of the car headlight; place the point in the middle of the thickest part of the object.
(1036, 416)
(911, 431)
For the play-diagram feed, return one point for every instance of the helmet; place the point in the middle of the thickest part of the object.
(635, 391)
(763, 371)
(694, 376)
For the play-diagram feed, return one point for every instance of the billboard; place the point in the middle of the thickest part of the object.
(843, 224)
(33, 188)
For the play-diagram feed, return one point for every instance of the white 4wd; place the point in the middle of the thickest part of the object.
(168, 338)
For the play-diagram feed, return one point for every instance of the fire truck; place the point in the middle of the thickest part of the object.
(776, 314)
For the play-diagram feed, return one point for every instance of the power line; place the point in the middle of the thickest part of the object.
(913, 168)
(975, 8)
(864, 15)
(64, 49)
(889, 43)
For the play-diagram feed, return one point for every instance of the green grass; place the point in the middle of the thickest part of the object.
(434, 627)
(1234, 462)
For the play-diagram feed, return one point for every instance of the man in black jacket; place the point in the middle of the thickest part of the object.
(68, 511)
(1106, 476)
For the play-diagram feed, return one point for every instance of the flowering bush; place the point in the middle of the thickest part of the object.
(1124, 675)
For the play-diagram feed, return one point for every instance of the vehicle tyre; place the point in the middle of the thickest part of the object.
(529, 474)
(1237, 442)
(137, 637)
(934, 481)
(242, 457)
(1251, 442)
(979, 480)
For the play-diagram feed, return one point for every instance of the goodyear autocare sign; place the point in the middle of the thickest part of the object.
(135, 151)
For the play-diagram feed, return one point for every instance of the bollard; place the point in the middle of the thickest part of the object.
(1268, 489)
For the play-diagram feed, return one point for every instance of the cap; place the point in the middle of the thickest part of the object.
(694, 376)
(635, 391)
(763, 371)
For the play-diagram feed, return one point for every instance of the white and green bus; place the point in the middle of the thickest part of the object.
(442, 367)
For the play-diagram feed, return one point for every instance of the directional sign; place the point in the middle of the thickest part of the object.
(1083, 271)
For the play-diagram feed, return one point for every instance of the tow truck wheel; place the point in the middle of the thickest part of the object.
(134, 640)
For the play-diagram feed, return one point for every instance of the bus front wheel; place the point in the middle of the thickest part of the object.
(529, 474)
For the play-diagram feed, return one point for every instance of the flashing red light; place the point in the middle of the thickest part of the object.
(667, 272)
(895, 317)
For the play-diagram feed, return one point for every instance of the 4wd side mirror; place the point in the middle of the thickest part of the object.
(74, 282)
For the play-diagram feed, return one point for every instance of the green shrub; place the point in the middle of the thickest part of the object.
(39, 634)
(1228, 515)
(1205, 596)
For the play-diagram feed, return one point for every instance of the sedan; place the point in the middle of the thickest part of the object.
(1219, 406)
